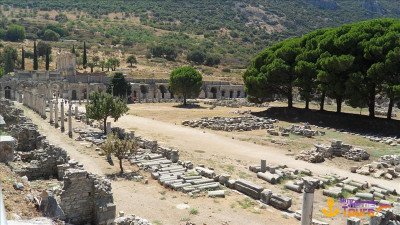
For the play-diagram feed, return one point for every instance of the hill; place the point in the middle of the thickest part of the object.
(233, 30)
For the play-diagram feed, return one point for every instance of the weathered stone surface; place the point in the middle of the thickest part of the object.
(216, 194)
(280, 202)
(7, 146)
(244, 123)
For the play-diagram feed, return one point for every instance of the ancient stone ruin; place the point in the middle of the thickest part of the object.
(234, 103)
(388, 167)
(243, 123)
(304, 130)
(83, 197)
(336, 149)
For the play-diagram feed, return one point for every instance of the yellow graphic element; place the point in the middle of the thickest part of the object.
(331, 211)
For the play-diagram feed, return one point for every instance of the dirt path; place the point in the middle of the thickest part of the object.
(156, 203)
(195, 140)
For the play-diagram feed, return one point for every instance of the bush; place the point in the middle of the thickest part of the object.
(196, 56)
(50, 35)
(15, 33)
(226, 70)
(212, 60)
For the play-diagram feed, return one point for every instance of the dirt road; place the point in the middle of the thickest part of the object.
(194, 140)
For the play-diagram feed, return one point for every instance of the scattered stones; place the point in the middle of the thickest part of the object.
(18, 186)
(243, 123)
(388, 167)
(131, 219)
(304, 130)
(234, 103)
(337, 149)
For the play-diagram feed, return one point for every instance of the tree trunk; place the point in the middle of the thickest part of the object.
(390, 108)
(307, 103)
(322, 103)
(105, 125)
(339, 105)
(371, 104)
(120, 166)
(184, 99)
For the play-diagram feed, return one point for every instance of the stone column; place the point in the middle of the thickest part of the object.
(76, 112)
(263, 165)
(62, 116)
(70, 119)
(56, 114)
(308, 200)
(51, 111)
(43, 109)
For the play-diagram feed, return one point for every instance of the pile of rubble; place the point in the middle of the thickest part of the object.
(388, 167)
(234, 103)
(392, 141)
(336, 149)
(304, 130)
(83, 198)
(131, 219)
(243, 123)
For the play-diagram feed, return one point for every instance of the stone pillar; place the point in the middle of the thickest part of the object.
(308, 200)
(43, 108)
(56, 114)
(76, 112)
(62, 116)
(70, 119)
(353, 221)
(263, 165)
(51, 111)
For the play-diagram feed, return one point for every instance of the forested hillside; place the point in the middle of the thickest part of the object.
(236, 30)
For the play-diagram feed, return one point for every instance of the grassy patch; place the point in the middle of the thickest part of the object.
(246, 203)
(193, 211)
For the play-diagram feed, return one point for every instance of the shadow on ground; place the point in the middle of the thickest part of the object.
(189, 106)
(340, 121)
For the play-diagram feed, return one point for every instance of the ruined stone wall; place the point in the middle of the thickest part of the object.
(84, 198)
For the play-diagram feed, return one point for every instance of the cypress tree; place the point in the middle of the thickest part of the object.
(35, 57)
(73, 49)
(23, 59)
(47, 59)
(84, 60)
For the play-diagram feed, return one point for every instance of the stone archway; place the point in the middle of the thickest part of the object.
(238, 94)
(214, 92)
(7, 92)
(144, 90)
(84, 92)
(223, 93)
(230, 94)
(74, 95)
(163, 90)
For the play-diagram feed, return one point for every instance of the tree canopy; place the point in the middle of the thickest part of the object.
(15, 33)
(103, 105)
(119, 86)
(352, 63)
(186, 82)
